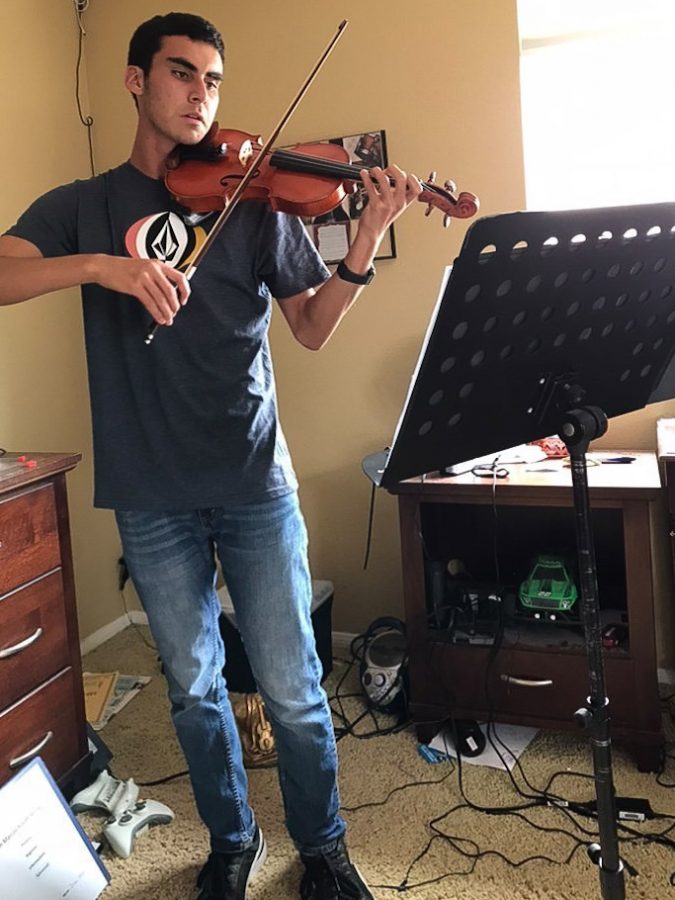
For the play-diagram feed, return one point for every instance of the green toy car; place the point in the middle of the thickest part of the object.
(548, 586)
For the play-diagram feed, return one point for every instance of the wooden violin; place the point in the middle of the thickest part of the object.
(307, 180)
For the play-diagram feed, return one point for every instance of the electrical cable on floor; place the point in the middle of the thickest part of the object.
(474, 854)
(401, 787)
(164, 780)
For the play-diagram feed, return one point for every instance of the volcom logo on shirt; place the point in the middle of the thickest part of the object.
(166, 237)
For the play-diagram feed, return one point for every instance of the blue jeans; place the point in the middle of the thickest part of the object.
(262, 548)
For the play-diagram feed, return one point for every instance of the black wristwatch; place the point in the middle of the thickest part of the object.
(347, 275)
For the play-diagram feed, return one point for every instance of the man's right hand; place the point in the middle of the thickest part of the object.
(160, 288)
(25, 273)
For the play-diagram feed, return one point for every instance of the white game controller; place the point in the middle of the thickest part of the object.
(122, 831)
(107, 793)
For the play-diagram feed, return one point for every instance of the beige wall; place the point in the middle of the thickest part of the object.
(43, 391)
(443, 82)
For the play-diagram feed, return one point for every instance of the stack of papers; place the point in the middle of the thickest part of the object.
(106, 693)
(98, 688)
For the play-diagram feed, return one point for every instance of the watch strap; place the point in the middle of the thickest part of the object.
(346, 274)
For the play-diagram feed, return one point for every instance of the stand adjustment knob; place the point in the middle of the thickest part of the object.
(594, 853)
(583, 717)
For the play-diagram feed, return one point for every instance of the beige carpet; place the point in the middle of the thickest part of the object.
(383, 839)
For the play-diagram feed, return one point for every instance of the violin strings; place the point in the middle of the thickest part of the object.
(302, 162)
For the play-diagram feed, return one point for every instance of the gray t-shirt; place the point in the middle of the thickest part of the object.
(190, 421)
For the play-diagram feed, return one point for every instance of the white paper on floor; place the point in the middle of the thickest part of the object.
(514, 737)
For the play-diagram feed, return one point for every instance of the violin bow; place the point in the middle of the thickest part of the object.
(228, 209)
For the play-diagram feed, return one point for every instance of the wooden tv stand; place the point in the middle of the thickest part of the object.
(522, 670)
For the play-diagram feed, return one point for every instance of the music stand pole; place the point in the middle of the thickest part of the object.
(579, 428)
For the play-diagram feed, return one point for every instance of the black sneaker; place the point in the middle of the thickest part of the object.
(226, 876)
(332, 876)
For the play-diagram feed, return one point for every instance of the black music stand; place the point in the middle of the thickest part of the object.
(547, 323)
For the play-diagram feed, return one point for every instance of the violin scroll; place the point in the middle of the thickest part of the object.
(467, 205)
(463, 207)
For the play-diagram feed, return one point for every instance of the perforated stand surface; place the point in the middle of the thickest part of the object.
(534, 299)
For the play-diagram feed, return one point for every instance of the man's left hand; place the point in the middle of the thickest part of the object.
(390, 191)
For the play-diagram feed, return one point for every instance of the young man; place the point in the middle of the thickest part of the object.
(188, 449)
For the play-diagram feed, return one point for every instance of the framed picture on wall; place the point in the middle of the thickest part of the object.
(333, 232)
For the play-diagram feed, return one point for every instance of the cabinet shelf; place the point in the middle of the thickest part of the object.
(524, 670)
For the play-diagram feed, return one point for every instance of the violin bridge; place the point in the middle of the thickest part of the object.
(245, 153)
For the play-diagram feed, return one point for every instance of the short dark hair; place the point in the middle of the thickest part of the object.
(147, 39)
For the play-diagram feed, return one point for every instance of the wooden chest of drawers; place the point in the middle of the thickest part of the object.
(41, 696)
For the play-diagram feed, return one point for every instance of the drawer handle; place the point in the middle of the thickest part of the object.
(17, 648)
(20, 760)
(527, 682)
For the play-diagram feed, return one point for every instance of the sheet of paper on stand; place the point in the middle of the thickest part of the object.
(523, 453)
(514, 737)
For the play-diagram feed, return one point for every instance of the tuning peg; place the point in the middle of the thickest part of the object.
(446, 220)
(432, 177)
(450, 186)
(428, 211)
